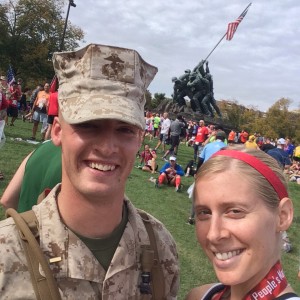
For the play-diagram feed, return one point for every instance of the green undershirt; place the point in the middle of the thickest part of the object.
(104, 248)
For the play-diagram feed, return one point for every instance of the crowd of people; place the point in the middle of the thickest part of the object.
(97, 245)
(39, 105)
(196, 134)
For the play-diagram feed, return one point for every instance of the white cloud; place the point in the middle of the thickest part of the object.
(259, 66)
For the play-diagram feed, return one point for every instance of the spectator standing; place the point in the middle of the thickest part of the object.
(19, 83)
(164, 131)
(195, 128)
(53, 107)
(189, 131)
(23, 104)
(289, 148)
(12, 110)
(202, 134)
(34, 94)
(156, 125)
(244, 136)
(40, 108)
(231, 137)
(176, 128)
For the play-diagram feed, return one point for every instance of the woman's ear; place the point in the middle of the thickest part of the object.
(56, 132)
(285, 214)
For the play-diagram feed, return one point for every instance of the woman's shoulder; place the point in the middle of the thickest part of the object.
(199, 292)
(288, 296)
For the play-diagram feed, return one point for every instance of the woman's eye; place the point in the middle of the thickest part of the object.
(236, 213)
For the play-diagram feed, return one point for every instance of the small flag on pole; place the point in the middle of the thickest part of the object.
(232, 27)
(54, 84)
(10, 76)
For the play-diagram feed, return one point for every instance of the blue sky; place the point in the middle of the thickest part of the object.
(260, 65)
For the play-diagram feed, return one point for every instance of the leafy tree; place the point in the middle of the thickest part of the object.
(232, 112)
(158, 99)
(148, 98)
(278, 121)
(278, 118)
(32, 32)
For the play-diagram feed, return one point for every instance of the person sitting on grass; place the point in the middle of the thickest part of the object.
(148, 159)
(170, 174)
(240, 229)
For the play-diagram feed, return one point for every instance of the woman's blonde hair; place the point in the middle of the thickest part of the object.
(264, 190)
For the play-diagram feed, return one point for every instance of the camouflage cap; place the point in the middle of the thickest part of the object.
(102, 82)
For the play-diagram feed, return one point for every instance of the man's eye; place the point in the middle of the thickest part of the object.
(128, 130)
(203, 214)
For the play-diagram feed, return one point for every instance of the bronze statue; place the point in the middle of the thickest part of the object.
(198, 86)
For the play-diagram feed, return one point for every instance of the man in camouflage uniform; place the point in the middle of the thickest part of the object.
(89, 231)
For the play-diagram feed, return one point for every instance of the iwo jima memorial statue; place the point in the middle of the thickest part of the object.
(197, 85)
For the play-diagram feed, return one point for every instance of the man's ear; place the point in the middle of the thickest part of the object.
(56, 132)
(285, 214)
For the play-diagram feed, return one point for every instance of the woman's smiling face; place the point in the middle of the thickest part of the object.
(235, 228)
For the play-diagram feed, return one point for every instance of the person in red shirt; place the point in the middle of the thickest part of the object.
(244, 136)
(12, 110)
(53, 106)
(202, 134)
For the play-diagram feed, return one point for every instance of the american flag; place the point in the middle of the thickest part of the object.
(54, 84)
(232, 27)
(10, 76)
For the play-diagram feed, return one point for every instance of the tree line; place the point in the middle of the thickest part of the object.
(30, 32)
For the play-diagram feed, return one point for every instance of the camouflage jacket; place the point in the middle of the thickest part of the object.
(79, 275)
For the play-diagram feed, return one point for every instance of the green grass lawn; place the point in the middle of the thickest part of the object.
(165, 204)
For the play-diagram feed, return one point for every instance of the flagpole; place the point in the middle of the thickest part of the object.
(225, 34)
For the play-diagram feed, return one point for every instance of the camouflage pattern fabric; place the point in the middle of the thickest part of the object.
(102, 82)
(77, 272)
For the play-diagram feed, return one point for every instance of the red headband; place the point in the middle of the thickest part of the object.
(258, 165)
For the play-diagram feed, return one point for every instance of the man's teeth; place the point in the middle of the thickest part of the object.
(227, 255)
(102, 167)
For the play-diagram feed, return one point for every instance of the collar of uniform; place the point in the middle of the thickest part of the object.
(77, 261)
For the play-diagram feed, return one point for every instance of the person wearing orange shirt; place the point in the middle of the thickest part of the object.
(244, 136)
(231, 136)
